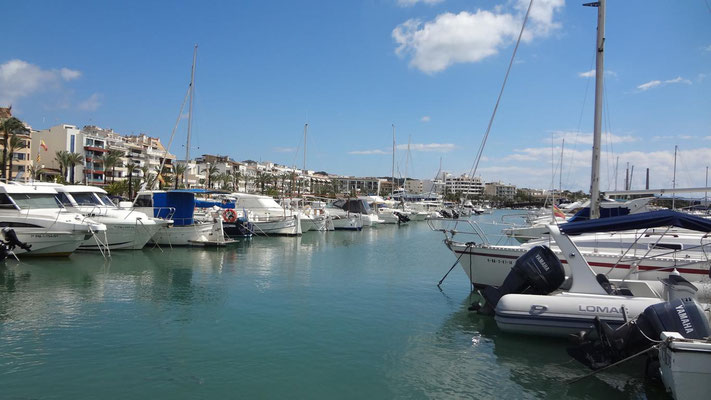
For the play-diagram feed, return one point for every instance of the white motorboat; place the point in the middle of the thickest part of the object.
(685, 366)
(176, 209)
(125, 229)
(344, 220)
(645, 254)
(39, 219)
(267, 216)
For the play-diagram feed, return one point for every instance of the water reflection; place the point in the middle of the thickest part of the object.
(469, 351)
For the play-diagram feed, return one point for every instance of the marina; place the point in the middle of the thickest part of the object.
(356, 313)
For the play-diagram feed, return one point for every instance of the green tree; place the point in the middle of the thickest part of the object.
(10, 126)
(212, 173)
(15, 143)
(129, 170)
(111, 160)
(73, 159)
(62, 157)
(34, 171)
(179, 173)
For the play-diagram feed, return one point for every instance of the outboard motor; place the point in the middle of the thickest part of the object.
(12, 241)
(684, 316)
(539, 271)
(401, 217)
(455, 214)
(4, 252)
(445, 214)
(677, 287)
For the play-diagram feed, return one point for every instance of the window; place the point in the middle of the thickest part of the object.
(668, 246)
(19, 156)
(28, 201)
(5, 202)
(144, 200)
(64, 199)
(106, 200)
(86, 199)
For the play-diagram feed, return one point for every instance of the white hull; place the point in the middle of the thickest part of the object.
(351, 223)
(685, 366)
(122, 237)
(290, 226)
(44, 243)
(565, 313)
(489, 266)
(182, 235)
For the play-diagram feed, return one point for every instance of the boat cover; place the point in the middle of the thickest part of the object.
(182, 202)
(212, 203)
(646, 220)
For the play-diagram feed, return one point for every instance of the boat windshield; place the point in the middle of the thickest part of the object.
(86, 199)
(107, 200)
(29, 201)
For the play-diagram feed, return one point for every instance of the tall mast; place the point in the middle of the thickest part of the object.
(560, 182)
(597, 129)
(306, 126)
(674, 180)
(706, 189)
(392, 189)
(190, 112)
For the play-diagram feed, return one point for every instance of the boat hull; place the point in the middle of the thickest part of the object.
(182, 235)
(58, 243)
(290, 226)
(122, 237)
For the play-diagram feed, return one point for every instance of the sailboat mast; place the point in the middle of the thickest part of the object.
(306, 127)
(190, 113)
(674, 180)
(597, 129)
(392, 189)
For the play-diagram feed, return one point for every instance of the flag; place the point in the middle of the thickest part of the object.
(38, 157)
(557, 212)
(43, 145)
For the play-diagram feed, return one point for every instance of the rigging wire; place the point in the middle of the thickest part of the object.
(472, 171)
(580, 123)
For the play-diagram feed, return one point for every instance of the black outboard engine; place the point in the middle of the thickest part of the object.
(401, 217)
(684, 316)
(455, 214)
(539, 271)
(12, 241)
(445, 214)
(4, 252)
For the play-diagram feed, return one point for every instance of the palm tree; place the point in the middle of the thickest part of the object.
(34, 171)
(10, 126)
(112, 159)
(15, 143)
(62, 157)
(211, 174)
(129, 170)
(236, 177)
(73, 159)
(179, 173)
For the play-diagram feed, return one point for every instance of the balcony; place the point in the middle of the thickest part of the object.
(97, 149)
(93, 171)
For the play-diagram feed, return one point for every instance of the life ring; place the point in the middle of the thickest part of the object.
(229, 215)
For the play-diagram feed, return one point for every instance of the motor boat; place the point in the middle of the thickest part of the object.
(37, 218)
(644, 252)
(125, 229)
(537, 298)
(179, 227)
(673, 336)
(267, 216)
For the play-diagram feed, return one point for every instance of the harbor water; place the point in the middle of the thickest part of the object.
(323, 316)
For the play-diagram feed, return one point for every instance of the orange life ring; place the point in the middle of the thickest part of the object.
(229, 215)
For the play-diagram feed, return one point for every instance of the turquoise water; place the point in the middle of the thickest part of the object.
(327, 315)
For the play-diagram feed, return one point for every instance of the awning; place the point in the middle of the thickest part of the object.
(646, 220)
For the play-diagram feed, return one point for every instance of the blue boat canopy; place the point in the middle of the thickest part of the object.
(646, 220)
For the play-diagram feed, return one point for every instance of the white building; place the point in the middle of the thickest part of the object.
(463, 185)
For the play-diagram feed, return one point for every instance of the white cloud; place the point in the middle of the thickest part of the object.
(91, 103)
(410, 3)
(468, 37)
(285, 149)
(658, 83)
(426, 118)
(591, 73)
(572, 137)
(424, 147)
(366, 152)
(435, 147)
(20, 79)
(707, 48)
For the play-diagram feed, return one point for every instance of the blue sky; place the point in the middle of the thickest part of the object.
(352, 68)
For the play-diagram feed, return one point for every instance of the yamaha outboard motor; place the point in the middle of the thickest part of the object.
(13, 241)
(539, 271)
(401, 217)
(455, 214)
(445, 214)
(684, 316)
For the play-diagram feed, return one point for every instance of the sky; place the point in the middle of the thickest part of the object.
(353, 69)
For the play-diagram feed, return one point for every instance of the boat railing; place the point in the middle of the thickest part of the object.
(163, 212)
(451, 227)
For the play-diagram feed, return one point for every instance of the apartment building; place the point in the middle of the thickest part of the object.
(463, 185)
(22, 155)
